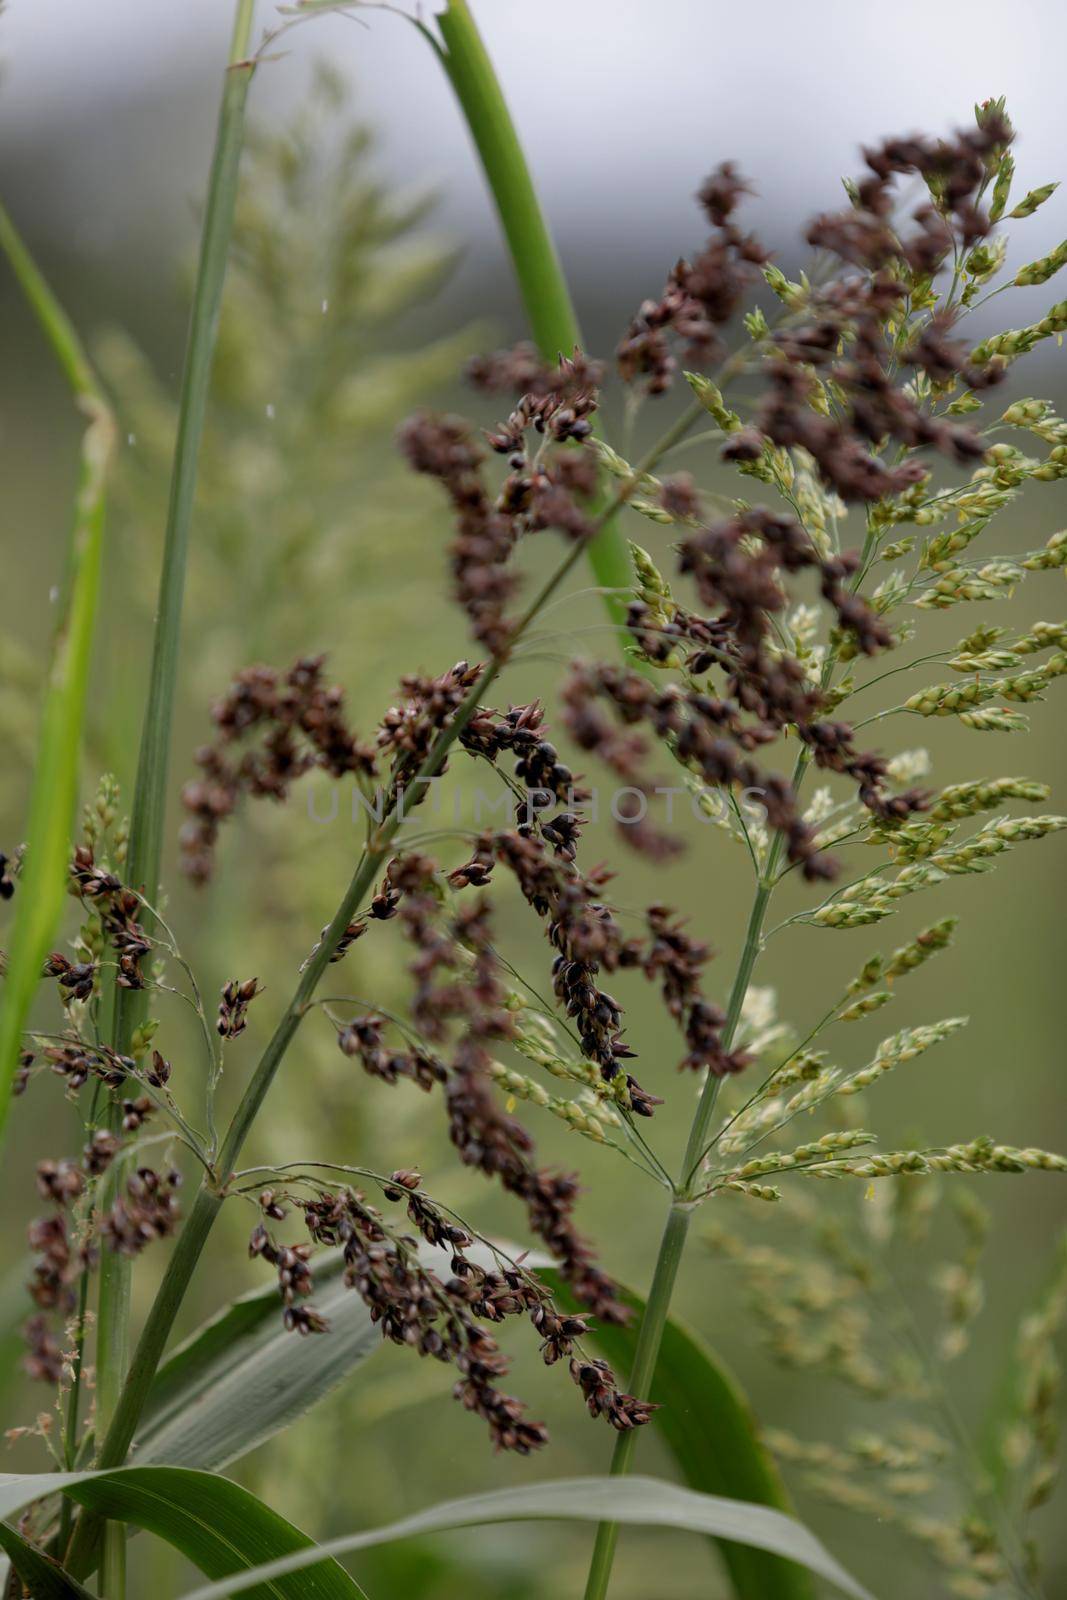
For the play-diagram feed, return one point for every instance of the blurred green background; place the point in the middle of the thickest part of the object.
(351, 302)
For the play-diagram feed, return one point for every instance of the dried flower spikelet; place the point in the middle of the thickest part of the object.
(236, 998)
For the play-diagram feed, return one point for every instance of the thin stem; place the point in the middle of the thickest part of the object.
(672, 1246)
(148, 811)
(646, 1355)
(149, 799)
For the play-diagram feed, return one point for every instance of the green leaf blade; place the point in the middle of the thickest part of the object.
(42, 885)
(224, 1530)
(43, 1577)
(233, 1537)
(242, 1377)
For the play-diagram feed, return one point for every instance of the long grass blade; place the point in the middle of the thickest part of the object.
(213, 1519)
(42, 885)
(148, 813)
(224, 1530)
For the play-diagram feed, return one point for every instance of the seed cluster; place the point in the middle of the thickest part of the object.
(700, 296)
(539, 491)
(119, 910)
(442, 1317)
(859, 312)
(64, 1241)
(300, 724)
(458, 991)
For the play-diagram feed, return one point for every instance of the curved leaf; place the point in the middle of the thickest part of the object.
(711, 1433)
(224, 1530)
(242, 1377)
(646, 1501)
(218, 1526)
(44, 1578)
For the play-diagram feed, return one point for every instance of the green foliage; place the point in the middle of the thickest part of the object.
(55, 785)
(218, 1526)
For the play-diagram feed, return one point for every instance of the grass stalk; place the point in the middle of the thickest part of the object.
(672, 1244)
(42, 890)
(542, 284)
(150, 789)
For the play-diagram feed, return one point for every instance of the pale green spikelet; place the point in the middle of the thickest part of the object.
(1014, 342)
(994, 581)
(650, 585)
(851, 914)
(864, 1006)
(949, 699)
(983, 263)
(900, 1048)
(937, 552)
(793, 295)
(616, 466)
(919, 950)
(1034, 198)
(1002, 186)
(652, 510)
(869, 974)
(710, 397)
(806, 1452)
(980, 1155)
(1053, 555)
(785, 1160)
(1024, 413)
(1041, 636)
(756, 325)
(995, 719)
(580, 1117)
(987, 661)
(959, 1283)
(909, 765)
(1030, 1442)
(913, 841)
(1044, 268)
(754, 1191)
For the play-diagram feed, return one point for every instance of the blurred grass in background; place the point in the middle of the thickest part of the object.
(310, 537)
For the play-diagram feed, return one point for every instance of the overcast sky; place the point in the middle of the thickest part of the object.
(623, 105)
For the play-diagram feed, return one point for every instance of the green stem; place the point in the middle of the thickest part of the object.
(672, 1245)
(541, 280)
(646, 1355)
(149, 799)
